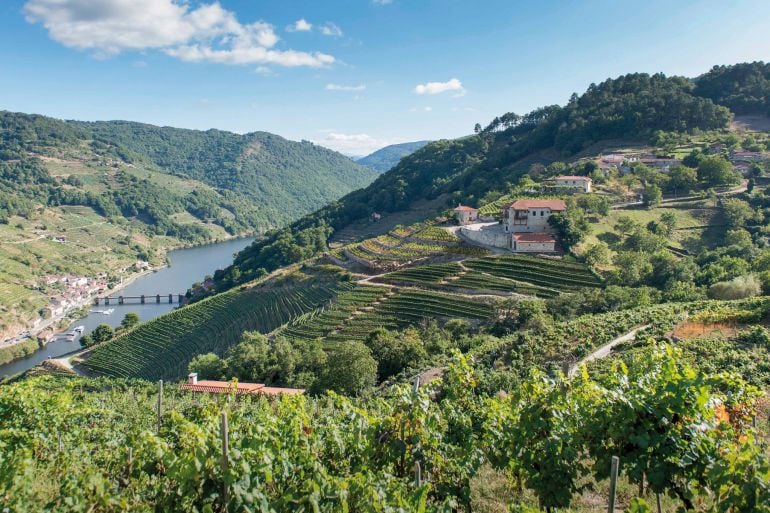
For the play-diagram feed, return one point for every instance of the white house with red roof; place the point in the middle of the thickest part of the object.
(531, 215)
(583, 183)
(466, 215)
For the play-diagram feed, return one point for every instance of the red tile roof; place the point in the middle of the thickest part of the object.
(463, 208)
(227, 387)
(570, 177)
(534, 237)
(553, 204)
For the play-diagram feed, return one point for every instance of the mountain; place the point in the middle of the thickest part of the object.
(283, 178)
(385, 158)
(81, 198)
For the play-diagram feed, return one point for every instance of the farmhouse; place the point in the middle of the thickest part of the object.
(533, 243)
(531, 215)
(577, 182)
(466, 215)
(226, 387)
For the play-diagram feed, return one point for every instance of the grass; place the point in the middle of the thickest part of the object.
(688, 219)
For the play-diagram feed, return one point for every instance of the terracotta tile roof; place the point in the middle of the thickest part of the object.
(226, 387)
(553, 204)
(570, 177)
(463, 208)
(534, 237)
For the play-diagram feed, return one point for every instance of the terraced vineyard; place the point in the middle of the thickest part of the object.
(553, 274)
(426, 274)
(358, 312)
(413, 243)
(478, 280)
(320, 324)
(164, 347)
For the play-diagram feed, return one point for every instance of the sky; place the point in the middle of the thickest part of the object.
(351, 75)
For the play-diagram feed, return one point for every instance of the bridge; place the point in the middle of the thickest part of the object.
(142, 300)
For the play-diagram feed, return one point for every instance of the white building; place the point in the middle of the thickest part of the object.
(466, 215)
(533, 243)
(578, 182)
(531, 215)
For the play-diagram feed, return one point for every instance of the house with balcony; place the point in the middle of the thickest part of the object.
(531, 215)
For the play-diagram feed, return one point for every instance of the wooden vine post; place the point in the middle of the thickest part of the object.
(225, 460)
(613, 483)
(160, 402)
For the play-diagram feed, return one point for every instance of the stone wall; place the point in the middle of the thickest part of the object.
(488, 234)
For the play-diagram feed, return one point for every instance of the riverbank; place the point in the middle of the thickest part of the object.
(26, 341)
(182, 267)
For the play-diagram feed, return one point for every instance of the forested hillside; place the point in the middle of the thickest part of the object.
(632, 107)
(744, 88)
(385, 158)
(282, 178)
(89, 198)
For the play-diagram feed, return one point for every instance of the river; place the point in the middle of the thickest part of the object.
(186, 266)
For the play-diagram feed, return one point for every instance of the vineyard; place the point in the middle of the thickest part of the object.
(164, 347)
(416, 242)
(554, 274)
(357, 312)
(74, 444)
(517, 274)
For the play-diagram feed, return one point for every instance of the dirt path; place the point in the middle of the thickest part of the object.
(605, 350)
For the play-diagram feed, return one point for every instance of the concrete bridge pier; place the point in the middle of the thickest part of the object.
(157, 298)
(120, 300)
(170, 298)
(106, 301)
(141, 299)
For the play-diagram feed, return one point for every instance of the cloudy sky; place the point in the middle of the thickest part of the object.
(353, 75)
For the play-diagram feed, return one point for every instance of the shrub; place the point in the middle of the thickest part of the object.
(737, 288)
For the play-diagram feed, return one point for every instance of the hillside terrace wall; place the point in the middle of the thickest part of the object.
(489, 234)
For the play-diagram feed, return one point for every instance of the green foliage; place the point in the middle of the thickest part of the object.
(716, 170)
(351, 370)
(744, 87)
(130, 320)
(571, 225)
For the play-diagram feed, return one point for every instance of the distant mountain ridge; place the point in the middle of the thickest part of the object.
(386, 158)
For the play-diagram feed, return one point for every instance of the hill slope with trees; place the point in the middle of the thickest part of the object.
(385, 158)
(632, 106)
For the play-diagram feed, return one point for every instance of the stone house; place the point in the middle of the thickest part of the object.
(533, 243)
(466, 215)
(531, 215)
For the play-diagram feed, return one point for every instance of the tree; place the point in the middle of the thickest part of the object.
(572, 226)
(737, 288)
(250, 358)
(597, 255)
(625, 225)
(351, 370)
(682, 180)
(208, 366)
(130, 320)
(668, 220)
(715, 170)
(477, 128)
(736, 212)
(652, 195)
(102, 333)
(395, 351)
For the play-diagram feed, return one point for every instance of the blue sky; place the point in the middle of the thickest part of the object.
(352, 75)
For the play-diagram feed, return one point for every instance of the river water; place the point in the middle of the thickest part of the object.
(186, 266)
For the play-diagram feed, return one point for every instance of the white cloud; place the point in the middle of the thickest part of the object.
(301, 25)
(382, 2)
(205, 33)
(339, 87)
(441, 87)
(330, 29)
(354, 144)
(421, 109)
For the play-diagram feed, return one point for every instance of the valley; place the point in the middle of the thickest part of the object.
(564, 309)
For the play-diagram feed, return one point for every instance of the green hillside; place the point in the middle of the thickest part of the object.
(630, 107)
(386, 158)
(115, 192)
